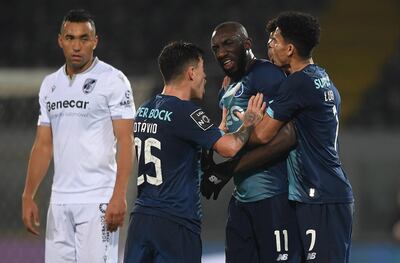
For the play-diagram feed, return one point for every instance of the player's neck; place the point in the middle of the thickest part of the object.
(299, 64)
(71, 71)
(177, 91)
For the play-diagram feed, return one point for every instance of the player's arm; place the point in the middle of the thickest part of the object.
(229, 144)
(116, 208)
(264, 155)
(217, 175)
(265, 130)
(222, 126)
(39, 161)
(224, 86)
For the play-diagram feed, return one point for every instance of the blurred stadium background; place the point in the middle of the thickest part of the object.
(360, 47)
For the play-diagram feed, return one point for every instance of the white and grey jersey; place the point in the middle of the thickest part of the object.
(80, 113)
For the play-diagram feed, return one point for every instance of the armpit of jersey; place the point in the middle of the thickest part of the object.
(201, 119)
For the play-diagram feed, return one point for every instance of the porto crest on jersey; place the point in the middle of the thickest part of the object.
(88, 86)
(239, 89)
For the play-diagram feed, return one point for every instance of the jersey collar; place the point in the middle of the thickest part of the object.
(94, 63)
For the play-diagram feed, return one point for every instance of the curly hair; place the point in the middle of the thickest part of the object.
(300, 29)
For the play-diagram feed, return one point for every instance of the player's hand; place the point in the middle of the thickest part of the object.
(255, 111)
(222, 125)
(115, 213)
(225, 82)
(213, 179)
(30, 215)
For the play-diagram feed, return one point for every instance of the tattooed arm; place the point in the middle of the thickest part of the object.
(229, 144)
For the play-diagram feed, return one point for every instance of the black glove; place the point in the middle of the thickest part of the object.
(214, 176)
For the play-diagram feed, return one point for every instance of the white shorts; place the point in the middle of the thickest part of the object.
(77, 233)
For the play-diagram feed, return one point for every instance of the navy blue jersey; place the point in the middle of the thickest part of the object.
(311, 99)
(262, 77)
(169, 134)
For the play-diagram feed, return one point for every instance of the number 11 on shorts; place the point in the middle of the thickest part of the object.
(283, 256)
(278, 240)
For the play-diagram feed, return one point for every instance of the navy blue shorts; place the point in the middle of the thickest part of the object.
(262, 231)
(154, 239)
(325, 231)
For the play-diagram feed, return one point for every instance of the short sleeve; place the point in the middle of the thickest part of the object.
(43, 119)
(121, 102)
(194, 125)
(288, 99)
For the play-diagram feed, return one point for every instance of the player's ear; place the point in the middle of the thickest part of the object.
(290, 49)
(96, 40)
(247, 43)
(190, 72)
(59, 40)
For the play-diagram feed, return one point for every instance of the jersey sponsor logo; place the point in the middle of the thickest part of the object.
(323, 82)
(157, 114)
(129, 99)
(61, 104)
(88, 86)
(125, 103)
(201, 119)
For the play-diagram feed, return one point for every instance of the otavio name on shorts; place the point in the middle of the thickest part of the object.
(162, 115)
(61, 104)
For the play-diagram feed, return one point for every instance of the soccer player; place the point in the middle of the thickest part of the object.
(169, 133)
(261, 224)
(318, 186)
(85, 122)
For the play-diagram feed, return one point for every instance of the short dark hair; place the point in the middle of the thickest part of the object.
(300, 29)
(174, 58)
(78, 16)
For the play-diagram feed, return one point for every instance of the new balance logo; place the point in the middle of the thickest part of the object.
(282, 257)
(312, 255)
(213, 179)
